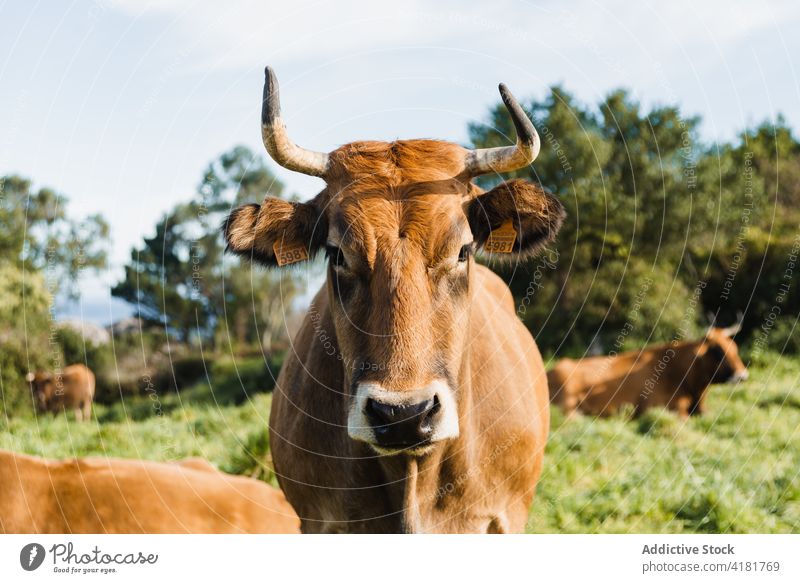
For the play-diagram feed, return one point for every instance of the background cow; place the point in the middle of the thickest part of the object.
(72, 389)
(108, 495)
(675, 376)
(414, 399)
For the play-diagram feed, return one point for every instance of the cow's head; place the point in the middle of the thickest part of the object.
(399, 223)
(43, 386)
(722, 354)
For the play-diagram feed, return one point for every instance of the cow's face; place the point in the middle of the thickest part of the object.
(399, 237)
(399, 223)
(42, 386)
(722, 354)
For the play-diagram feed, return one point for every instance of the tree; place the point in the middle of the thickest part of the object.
(39, 235)
(179, 278)
(637, 199)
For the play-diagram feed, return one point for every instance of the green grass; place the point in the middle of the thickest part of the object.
(733, 470)
(174, 426)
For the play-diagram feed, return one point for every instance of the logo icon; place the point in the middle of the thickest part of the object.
(31, 556)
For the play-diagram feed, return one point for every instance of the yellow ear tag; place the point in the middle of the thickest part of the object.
(501, 240)
(289, 255)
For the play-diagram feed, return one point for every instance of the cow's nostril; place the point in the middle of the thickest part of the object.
(427, 416)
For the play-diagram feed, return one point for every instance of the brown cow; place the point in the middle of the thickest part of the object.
(413, 399)
(675, 375)
(107, 495)
(71, 389)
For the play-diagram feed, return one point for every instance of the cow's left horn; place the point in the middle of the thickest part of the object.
(273, 131)
(735, 328)
(507, 158)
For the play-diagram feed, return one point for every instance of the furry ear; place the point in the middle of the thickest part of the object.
(535, 214)
(276, 232)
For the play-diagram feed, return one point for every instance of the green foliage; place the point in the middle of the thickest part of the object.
(164, 429)
(652, 211)
(23, 294)
(185, 371)
(784, 337)
(253, 458)
(42, 254)
(236, 380)
(37, 232)
(77, 350)
(179, 280)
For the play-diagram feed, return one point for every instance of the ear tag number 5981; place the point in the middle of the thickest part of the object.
(501, 240)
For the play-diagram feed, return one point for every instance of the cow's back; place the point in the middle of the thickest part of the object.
(107, 495)
(602, 385)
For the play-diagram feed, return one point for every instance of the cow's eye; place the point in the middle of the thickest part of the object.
(465, 252)
(335, 256)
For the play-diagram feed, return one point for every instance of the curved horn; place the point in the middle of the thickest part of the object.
(734, 328)
(507, 158)
(273, 131)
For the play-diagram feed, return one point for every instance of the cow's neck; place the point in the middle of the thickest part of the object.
(417, 486)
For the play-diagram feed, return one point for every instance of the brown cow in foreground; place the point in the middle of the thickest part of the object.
(72, 390)
(114, 496)
(676, 376)
(413, 400)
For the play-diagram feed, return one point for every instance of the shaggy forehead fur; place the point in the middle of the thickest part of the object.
(372, 166)
(412, 189)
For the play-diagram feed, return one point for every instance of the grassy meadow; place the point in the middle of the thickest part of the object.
(733, 470)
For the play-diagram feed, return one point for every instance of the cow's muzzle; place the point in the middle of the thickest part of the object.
(402, 426)
(402, 421)
(739, 376)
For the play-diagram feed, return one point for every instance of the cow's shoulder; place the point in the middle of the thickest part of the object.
(491, 289)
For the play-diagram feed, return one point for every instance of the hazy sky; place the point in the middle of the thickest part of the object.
(119, 104)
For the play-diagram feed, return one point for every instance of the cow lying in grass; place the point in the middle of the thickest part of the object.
(675, 376)
(108, 495)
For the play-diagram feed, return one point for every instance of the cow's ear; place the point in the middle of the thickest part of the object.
(276, 232)
(515, 219)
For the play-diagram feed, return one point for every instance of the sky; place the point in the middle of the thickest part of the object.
(120, 104)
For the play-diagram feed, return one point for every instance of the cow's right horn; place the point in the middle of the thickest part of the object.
(507, 158)
(735, 328)
(273, 131)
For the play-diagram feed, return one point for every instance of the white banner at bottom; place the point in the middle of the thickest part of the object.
(390, 558)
